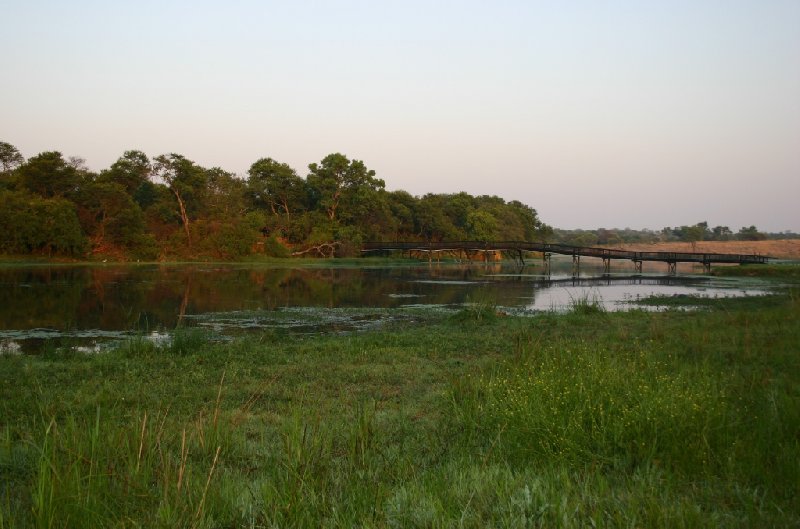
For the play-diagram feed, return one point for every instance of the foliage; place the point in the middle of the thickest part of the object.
(33, 225)
(336, 181)
(10, 158)
(276, 186)
(750, 234)
(132, 171)
(691, 234)
(49, 175)
(171, 207)
(186, 181)
(273, 247)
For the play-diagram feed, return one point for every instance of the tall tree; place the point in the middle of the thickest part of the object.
(225, 195)
(185, 180)
(132, 170)
(10, 158)
(480, 225)
(750, 234)
(721, 233)
(110, 217)
(49, 175)
(276, 186)
(336, 180)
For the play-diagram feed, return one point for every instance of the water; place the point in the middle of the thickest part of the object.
(85, 307)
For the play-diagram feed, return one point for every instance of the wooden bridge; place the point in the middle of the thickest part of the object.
(517, 249)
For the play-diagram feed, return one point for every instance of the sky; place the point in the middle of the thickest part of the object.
(597, 113)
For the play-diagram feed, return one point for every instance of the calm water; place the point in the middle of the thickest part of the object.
(83, 306)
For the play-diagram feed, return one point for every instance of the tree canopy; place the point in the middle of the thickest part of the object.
(169, 206)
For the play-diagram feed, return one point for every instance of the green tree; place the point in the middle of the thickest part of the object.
(457, 208)
(10, 158)
(750, 234)
(32, 224)
(402, 205)
(49, 175)
(721, 233)
(275, 186)
(693, 234)
(431, 222)
(534, 229)
(481, 225)
(225, 195)
(111, 218)
(337, 180)
(187, 183)
(132, 171)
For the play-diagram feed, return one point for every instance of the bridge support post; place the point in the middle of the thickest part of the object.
(637, 266)
(606, 265)
(672, 268)
(576, 265)
(706, 267)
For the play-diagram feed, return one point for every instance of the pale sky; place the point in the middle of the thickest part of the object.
(638, 114)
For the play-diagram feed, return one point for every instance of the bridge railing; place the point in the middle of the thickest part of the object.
(566, 249)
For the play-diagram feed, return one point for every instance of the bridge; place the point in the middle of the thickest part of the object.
(517, 249)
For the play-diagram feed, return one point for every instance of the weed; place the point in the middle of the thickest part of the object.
(477, 310)
(586, 304)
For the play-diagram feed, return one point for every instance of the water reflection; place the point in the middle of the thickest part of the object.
(82, 304)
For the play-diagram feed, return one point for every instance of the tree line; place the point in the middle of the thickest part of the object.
(170, 207)
(691, 234)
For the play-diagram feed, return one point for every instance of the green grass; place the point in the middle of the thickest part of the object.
(585, 419)
(788, 270)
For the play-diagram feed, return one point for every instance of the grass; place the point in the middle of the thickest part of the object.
(786, 271)
(589, 418)
(586, 304)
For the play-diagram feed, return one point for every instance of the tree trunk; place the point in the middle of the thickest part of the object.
(334, 205)
(184, 217)
(286, 209)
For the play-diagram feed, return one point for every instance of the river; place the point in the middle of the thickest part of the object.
(88, 306)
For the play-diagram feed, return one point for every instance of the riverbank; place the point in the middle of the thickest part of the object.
(671, 419)
(779, 249)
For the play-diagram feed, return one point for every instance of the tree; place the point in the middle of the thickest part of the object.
(431, 222)
(481, 225)
(10, 158)
(132, 170)
(225, 195)
(32, 224)
(721, 233)
(693, 234)
(750, 234)
(457, 208)
(276, 186)
(111, 218)
(49, 175)
(402, 205)
(186, 181)
(337, 180)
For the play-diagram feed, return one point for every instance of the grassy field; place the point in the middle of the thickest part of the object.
(586, 419)
(777, 248)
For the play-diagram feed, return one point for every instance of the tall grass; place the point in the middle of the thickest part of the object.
(576, 404)
(586, 303)
(564, 420)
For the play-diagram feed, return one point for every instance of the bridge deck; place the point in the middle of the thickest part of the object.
(565, 249)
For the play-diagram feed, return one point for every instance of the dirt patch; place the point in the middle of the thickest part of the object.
(781, 249)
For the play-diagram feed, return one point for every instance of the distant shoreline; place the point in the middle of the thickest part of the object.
(777, 248)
